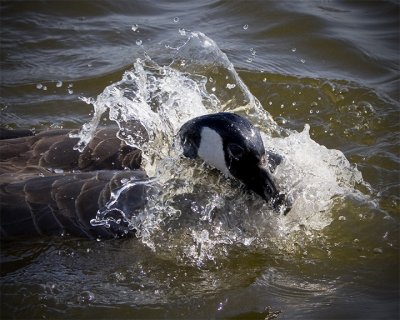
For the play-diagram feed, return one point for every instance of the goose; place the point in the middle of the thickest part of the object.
(47, 187)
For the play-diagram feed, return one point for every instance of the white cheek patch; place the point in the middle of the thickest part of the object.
(211, 150)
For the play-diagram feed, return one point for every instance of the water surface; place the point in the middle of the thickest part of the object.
(320, 79)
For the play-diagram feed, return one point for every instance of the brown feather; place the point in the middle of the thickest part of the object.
(35, 200)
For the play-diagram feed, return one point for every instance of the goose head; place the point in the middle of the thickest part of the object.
(234, 146)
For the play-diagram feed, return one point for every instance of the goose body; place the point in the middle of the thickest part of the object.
(48, 187)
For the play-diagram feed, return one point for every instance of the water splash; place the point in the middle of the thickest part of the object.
(194, 213)
(311, 176)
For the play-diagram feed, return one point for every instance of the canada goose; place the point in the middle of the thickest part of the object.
(48, 187)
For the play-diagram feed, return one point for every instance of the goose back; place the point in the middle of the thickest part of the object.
(48, 187)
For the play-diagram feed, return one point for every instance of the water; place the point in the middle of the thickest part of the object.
(320, 80)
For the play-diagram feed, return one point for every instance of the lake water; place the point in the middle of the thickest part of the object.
(321, 81)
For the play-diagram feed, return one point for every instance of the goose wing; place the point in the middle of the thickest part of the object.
(57, 203)
(54, 149)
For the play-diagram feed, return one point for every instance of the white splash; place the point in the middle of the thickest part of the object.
(311, 176)
(213, 211)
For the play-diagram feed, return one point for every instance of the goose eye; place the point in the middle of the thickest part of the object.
(235, 150)
(263, 160)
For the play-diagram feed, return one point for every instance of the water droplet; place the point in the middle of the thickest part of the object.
(378, 250)
(248, 241)
(245, 27)
(139, 42)
(86, 296)
(294, 49)
(385, 236)
(135, 27)
(302, 61)
(39, 86)
(44, 88)
(70, 91)
(176, 19)
(265, 80)
(207, 44)
(59, 84)
(230, 86)
(342, 218)
(182, 31)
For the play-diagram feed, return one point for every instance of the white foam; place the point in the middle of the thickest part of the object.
(311, 176)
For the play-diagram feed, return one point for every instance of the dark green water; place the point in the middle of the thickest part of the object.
(333, 65)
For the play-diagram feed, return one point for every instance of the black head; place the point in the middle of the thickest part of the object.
(233, 145)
